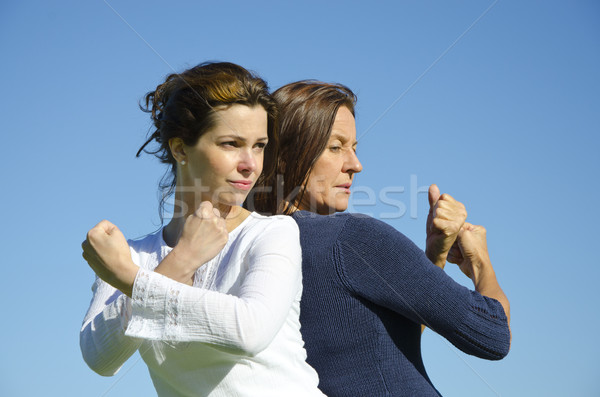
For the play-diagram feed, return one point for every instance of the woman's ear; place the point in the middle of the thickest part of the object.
(178, 150)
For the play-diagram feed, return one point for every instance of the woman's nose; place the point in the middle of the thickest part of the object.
(351, 163)
(247, 161)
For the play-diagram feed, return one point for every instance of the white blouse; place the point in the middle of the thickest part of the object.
(236, 332)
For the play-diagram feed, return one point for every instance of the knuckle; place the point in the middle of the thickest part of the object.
(447, 197)
(441, 213)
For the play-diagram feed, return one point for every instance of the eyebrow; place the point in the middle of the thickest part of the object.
(234, 136)
(342, 138)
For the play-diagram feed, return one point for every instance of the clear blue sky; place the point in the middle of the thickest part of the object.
(503, 114)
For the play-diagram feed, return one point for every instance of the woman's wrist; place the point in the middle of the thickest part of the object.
(178, 265)
(483, 275)
(437, 259)
(186, 262)
(126, 278)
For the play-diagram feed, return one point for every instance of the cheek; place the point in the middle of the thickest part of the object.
(325, 172)
(260, 162)
(317, 185)
(222, 164)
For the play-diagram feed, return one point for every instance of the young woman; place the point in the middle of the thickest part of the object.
(217, 314)
(367, 288)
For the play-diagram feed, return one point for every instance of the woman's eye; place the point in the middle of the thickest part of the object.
(335, 148)
(260, 146)
(229, 144)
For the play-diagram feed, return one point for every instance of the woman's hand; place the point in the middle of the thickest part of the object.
(470, 252)
(444, 222)
(107, 253)
(204, 235)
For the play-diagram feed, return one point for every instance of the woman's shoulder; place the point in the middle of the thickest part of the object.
(268, 234)
(348, 228)
(367, 223)
(148, 243)
(340, 219)
(271, 220)
(259, 224)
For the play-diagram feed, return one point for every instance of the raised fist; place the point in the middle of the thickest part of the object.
(107, 252)
(445, 219)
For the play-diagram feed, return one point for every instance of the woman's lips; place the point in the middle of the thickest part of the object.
(345, 187)
(242, 185)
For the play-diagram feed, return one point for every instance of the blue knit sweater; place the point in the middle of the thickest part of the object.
(367, 289)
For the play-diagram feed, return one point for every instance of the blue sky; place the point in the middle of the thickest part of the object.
(495, 101)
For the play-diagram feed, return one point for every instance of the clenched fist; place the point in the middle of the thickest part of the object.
(445, 219)
(107, 252)
(204, 235)
(471, 252)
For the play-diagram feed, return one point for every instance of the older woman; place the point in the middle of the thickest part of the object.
(367, 288)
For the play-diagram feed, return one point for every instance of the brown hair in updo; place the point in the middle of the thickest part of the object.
(184, 107)
(307, 111)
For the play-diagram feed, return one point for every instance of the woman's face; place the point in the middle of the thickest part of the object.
(227, 160)
(328, 187)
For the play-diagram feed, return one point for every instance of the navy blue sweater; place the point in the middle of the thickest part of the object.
(367, 289)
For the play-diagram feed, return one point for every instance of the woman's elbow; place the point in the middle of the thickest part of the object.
(100, 369)
(97, 364)
(501, 344)
(504, 339)
(94, 358)
(254, 337)
(493, 343)
(252, 345)
(503, 350)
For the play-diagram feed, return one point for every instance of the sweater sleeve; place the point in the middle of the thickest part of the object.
(391, 271)
(163, 309)
(102, 340)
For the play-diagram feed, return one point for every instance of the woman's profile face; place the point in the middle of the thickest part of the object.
(227, 160)
(328, 187)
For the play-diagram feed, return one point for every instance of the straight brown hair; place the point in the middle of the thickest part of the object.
(307, 110)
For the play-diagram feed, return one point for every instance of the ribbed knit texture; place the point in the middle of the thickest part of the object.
(367, 289)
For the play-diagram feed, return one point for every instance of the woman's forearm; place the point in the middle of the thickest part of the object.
(486, 283)
(177, 266)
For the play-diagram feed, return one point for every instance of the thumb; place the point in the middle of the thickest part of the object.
(433, 195)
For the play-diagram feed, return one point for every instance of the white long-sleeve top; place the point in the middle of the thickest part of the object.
(236, 332)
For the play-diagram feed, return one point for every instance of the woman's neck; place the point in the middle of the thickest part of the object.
(233, 215)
